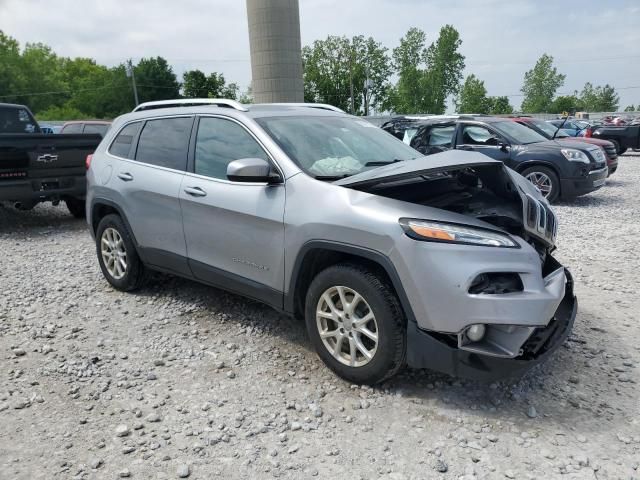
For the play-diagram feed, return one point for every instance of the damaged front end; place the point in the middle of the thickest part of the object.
(482, 312)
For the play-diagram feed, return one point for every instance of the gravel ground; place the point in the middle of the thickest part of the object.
(181, 380)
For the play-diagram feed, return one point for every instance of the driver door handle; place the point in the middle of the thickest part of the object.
(125, 176)
(195, 192)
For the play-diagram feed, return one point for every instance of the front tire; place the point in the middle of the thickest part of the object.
(545, 180)
(356, 323)
(117, 255)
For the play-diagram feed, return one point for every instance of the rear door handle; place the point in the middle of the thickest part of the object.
(195, 192)
(125, 176)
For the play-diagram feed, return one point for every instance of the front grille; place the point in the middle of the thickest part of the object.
(541, 219)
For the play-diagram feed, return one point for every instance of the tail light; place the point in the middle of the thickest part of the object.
(87, 162)
(588, 132)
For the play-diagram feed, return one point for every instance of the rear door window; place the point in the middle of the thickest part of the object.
(165, 142)
(441, 136)
(476, 135)
(72, 128)
(121, 146)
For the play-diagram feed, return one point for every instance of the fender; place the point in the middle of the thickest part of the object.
(530, 163)
(372, 255)
(109, 203)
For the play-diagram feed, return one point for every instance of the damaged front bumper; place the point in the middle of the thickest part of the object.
(446, 354)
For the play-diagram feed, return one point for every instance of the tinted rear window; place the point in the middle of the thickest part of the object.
(98, 128)
(165, 142)
(121, 145)
(72, 128)
(16, 120)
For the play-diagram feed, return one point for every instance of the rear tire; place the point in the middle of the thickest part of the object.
(76, 207)
(117, 255)
(543, 177)
(360, 350)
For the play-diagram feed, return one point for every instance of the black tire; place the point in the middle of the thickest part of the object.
(619, 150)
(135, 274)
(76, 207)
(390, 322)
(554, 194)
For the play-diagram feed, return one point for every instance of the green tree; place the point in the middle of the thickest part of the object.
(195, 84)
(630, 108)
(599, 99)
(608, 98)
(336, 65)
(540, 85)
(155, 80)
(246, 96)
(566, 103)
(427, 76)
(500, 106)
(44, 82)
(473, 97)
(11, 78)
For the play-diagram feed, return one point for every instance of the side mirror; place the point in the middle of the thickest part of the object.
(255, 170)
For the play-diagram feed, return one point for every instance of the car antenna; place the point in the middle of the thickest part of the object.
(564, 120)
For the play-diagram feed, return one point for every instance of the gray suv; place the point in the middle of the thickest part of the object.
(441, 262)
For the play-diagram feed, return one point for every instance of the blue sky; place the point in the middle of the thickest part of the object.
(596, 41)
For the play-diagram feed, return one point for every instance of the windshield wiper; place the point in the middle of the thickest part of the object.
(382, 162)
(332, 177)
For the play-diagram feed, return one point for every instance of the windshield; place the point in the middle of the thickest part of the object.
(335, 147)
(518, 133)
(548, 129)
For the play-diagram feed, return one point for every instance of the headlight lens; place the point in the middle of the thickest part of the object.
(453, 233)
(575, 155)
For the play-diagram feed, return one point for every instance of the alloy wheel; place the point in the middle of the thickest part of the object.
(114, 254)
(347, 326)
(541, 181)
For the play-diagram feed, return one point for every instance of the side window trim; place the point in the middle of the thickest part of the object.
(192, 150)
(136, 140)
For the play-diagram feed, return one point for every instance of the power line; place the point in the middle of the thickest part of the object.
(559, 62)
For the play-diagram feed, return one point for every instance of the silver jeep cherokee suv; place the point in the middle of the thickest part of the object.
(441, 262)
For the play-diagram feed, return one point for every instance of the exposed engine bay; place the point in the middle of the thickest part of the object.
(485, 192)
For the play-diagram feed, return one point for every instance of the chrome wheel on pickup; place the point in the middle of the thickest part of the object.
(347, 326)
(356, 323)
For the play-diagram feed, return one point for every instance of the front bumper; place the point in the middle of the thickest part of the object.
(438, 352)
(574, 187)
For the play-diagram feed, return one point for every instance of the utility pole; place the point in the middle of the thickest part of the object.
(351, 81)
(130, 73)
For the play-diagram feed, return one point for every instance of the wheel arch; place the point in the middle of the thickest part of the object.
(316, 255)
(100, 208)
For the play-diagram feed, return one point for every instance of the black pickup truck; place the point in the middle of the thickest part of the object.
(623, 136)
(36, 167)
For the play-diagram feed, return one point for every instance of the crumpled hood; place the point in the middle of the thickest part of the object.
(409, 168)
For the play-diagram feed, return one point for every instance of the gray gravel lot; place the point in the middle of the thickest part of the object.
(181, 380)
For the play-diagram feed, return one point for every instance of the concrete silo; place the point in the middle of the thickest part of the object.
(276, 60)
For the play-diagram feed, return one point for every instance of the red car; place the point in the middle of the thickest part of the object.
(547, 130)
